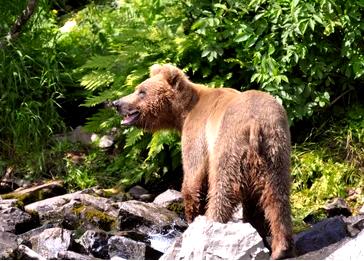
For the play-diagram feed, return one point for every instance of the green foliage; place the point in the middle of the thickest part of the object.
(30, 72)
(330, 166)
(127, 165)
(319, 178)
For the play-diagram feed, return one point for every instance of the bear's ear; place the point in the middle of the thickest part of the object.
(155, 69)
(172, 74)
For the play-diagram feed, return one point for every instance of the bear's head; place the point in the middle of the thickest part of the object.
(160, 102)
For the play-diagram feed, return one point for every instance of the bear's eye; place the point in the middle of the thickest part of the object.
(141, 93)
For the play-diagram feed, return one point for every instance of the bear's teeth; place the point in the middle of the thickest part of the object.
(130, 118)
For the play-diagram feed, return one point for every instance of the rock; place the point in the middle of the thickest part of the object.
(70, 255)
(169, 196)
(36, 193)
(352, 250)
(337, 207)
(80, 135)
(106, 141)
(324, 252)
(8, 245)
(7, 203)
(355, 224)
(55, 208)
(140, 193)
(49, 208)
(16, 221)
(126, 248)
(117, 258)
(162, 241)
(322, 234)
(78, 215)
(25, 237)
(95, 243)
(28, 254)
(146, 197)
(238, 214)
(205, 239)
(147, 217)
(51, 241)
(134, 235)
(361, 210)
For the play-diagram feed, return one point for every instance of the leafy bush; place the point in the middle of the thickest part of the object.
(30, 75)
(331, 165)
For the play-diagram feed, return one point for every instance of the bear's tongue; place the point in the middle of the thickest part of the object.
(130, 118)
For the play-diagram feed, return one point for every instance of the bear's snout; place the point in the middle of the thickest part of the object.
(117, 104)
(127, 110)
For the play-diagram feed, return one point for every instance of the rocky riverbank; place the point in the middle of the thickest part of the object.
(46, 222)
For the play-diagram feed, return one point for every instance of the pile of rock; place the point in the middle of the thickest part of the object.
(43, 222)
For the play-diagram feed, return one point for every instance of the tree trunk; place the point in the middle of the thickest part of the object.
(20, 22)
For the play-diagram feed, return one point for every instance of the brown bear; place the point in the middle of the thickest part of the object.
(235, 145)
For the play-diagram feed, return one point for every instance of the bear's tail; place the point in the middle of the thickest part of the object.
(255, 143)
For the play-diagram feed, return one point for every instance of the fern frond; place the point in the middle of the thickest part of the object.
(103, 120)
(100, 62)
(135, 77)
(106, 95)
(97, 79)
(133, 136)
(158, 141)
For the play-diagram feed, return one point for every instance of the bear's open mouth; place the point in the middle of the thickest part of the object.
(130, 117)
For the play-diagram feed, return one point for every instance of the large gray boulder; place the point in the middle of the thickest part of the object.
(8, 245)
(322, 234)
(77, 210)
(352, 250)
(95, 243)
(127, 248)
(147, 216)
(168, 198)
(54, 207)
(205, 239)
(7, 203)
(16, 221)
(51, 242)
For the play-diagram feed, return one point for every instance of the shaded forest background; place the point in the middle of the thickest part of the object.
(62, 61)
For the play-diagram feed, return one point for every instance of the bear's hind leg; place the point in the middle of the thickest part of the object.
(278, 214)
(254, 214)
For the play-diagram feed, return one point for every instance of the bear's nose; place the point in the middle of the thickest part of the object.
(116, 103)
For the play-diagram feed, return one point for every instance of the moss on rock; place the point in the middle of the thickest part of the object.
(95, 217)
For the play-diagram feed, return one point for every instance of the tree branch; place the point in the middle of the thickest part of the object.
(20, 22)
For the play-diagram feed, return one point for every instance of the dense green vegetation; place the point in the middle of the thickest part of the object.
(71, 58)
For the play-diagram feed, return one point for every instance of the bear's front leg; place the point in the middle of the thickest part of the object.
(194, 190)
(195, 168)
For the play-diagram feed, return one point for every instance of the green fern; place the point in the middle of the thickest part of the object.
(97, 79)
(100, 62)
(133, 135)
(159, 140)
(106, 95)
(102, 121)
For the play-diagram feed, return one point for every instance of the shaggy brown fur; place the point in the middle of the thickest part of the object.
(236, 144)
